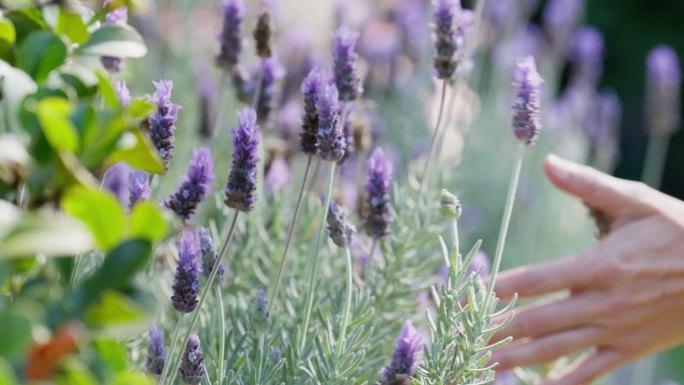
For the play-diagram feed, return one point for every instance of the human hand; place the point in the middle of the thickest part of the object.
(626, 293)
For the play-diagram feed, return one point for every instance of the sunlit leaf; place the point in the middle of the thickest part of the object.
(138, 152)
(54, 116)
(7, 376)
(71, 24)
(132, 378)
(113, 308)
(146, 221)
(100, 211)
(115, 41)
(112, 353)
(107, 91)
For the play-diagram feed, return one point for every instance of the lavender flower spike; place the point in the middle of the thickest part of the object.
(527, 109)
(115, 180)
(230, 40)
(407, 355)
(138, 187)
(209, 256)
(663, 90)
(378, 217)
(339, 229)
(587, 54)
(192, 365)
(239, 192)
(311, 88)
(156, 355)
(450, 23)
(271, 72)
(122, 93)
(346, 71)
(261, 315)
(196, 186)
(330, 136)
(162, 123)
(186, 282)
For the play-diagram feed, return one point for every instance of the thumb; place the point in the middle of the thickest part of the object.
(617, 197)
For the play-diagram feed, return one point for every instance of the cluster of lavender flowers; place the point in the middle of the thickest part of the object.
(451, 25)
(195, 188)
(161, 125)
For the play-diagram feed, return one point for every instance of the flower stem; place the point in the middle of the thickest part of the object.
(431, 151)
(172, 350)
(457, 251)
(506, 220)
(656, 155)
(205, 291)
(347, 306)
(220, 111)
(368, 268)
(222, 335)
(276, 283)
(313, 263)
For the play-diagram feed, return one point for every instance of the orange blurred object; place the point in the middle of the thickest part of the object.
(44, 359)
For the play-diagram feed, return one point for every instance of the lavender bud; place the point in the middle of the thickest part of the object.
(122, 93)
(339, 229)
(311, 88)
(451, 24)
(186, 282)
(527, 109)
(330, 143)
(378, 216)
(196, 186)
(162, 122)
(271, 72)
(240, 190)
(406, 356)
(156, 354)
(663, 79)
(209, 256)
(115, 180)
(261, 315)
(230, 39)
(587, 53)
(192, 365)
(138, 187)
(346, 71)
(262, 35)
(450, 206)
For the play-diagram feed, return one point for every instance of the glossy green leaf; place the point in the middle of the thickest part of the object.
(40, 53)
(74, 373)
(112, 353)
(7, 31)
(54, 115)
(140, 108)
(100, 211)
(113, 308)
(107, 91)
(15, 333)
(146, 221)
(114, 40)
(7, 376)
(16, 85)
(132, 378)
(71, 24)
(137, 151)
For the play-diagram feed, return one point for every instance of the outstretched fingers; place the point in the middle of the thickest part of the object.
(590, 367)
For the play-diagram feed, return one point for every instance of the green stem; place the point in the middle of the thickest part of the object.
(347, 306)
(313, 262)
(172, 348)
(220, 111)
(281, 267)
(222, 335)
(457, 252)
(205, 291)
(506, 220)
(431, 151)
(368, 268)
(656, 155)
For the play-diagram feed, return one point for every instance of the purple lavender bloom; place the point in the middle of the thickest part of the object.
(587, 53)
(162, 122)
(311, 88)
(271, 72)
(205, 92)
(413, 19)
(451, 25)
(339, 228)
(527, 109)
(346, 71)
(156, 354)
(378, 217)
(186, 282)
(117, 16)
(209, 256)
(115, 180)
(560, 17)
(230, 40)
(289, 119)
(380, 41)
(240, 190)
(122, 93)
(348, 132)
(196, 186)
(138, 187)
(261, 314)
(407, 354)
(330, 143)
(192, 365)
(663, 79)
(278, 175)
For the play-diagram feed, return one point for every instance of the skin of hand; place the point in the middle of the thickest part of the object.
(625, 294)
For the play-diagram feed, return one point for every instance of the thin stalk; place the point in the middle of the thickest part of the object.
(222, 335)
(276, 283)
(431, 151)
(368, 268)
(219, 116)
(457, 251)
(205, 291)
(506, 220)
(172, 350)
(313, 262)
(656, 155)
(257, 87)
(347, 306)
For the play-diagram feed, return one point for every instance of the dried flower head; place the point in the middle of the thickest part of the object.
(330, 142)
(339, 229)
(527, 109)
(138, 187)
(156, 354)
(230, 39)
(663, 82)
(196, 186)
(407, 355)
(378, 216)
(240, 191)
(186, 282)
(162, 122)
(209, 256)
(311, 88)
(345, 58)
(192, 364)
